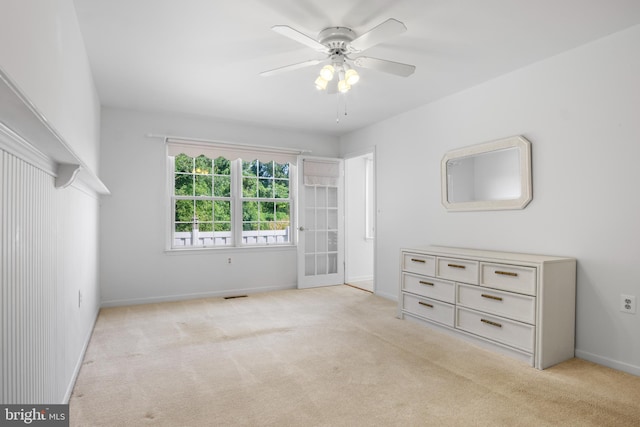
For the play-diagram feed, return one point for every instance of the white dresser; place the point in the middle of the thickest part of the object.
(521, 305)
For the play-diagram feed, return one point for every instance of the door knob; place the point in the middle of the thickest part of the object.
(301, 228)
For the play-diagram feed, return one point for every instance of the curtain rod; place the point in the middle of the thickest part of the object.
(230, 144)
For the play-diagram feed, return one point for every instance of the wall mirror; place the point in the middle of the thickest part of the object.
(490, 176)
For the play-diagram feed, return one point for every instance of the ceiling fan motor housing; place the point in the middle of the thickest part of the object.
(336, 39)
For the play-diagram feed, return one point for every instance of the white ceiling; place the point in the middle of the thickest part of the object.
(204, 56)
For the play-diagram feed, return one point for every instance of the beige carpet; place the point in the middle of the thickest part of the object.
(332, 356)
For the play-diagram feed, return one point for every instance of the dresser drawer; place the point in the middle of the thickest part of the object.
(514, 306)
(459, 270)
(418, 263)
(429, 309)
(510, 332)
(509, 278)
(431, 287)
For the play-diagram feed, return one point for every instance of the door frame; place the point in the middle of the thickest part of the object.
(351, 155)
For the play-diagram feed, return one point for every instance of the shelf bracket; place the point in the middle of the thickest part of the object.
(66, 173)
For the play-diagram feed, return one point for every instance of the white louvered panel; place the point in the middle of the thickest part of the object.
(29, 283)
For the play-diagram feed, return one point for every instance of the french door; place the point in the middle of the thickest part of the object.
(320, 222)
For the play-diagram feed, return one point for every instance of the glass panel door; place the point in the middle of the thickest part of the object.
(320, 241)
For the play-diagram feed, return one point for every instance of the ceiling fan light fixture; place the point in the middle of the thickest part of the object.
(327, 72)
(343, 86)
(351, 76)
(321, 83)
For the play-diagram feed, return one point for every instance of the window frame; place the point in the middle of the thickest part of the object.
(237, 198)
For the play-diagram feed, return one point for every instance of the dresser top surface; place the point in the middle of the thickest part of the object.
(487, 255)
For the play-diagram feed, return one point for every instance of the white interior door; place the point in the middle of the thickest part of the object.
(320, 222)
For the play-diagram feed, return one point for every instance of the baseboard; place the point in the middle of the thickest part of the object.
(76, 369)
(609, 363)
(358, 279)
(392, 297)
(182, 297)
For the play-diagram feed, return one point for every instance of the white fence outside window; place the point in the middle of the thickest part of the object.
(182, 239)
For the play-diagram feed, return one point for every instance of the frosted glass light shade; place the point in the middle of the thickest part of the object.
(351, 76)
(327, 72)
(343, 86)
(321, 83)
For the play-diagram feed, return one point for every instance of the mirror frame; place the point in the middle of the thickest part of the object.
(526, 190)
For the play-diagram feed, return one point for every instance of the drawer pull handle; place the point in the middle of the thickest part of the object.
(456, 266)
(507, 273)
(425, 304)
(492, 297)
(489, 322)
(422, 282)
(418, 260)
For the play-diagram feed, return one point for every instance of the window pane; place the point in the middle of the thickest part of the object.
(249, 226)
(332, 267)
(203, 185)
(249, 168)
(281, 188)
(321, 197)
(321, 267)
(267, 211)
(184, 211)
(310, 215)
(332, 197)
(203, 165)
(222, 186)
(204, 210)
(321, 222)
(183, 163)
(183, 227)
(282, 211)
(222, 166)
(332, 220)
(183, 185)
(265, 170)
(266, 188)
(249, 211)
(249, 187)
(281, 170)
(322, 243)
(310, 265)
(332, 237)
(205, 227)
(310, 195)
(222, 226)
(310, 242)
(222, 211)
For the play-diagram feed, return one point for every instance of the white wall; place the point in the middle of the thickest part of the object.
(42, 50)
(134, 267)
(580, 111)
(54, 232)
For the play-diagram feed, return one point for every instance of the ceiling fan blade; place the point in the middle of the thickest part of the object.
(296, 35)
(290, 67)
(389, 28)
(397, 68)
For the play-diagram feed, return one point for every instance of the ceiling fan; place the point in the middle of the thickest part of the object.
(338, 44)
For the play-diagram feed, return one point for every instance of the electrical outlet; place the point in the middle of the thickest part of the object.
(228, 260)
(628, 304)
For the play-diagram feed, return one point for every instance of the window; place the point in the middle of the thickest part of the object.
(221, 200)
